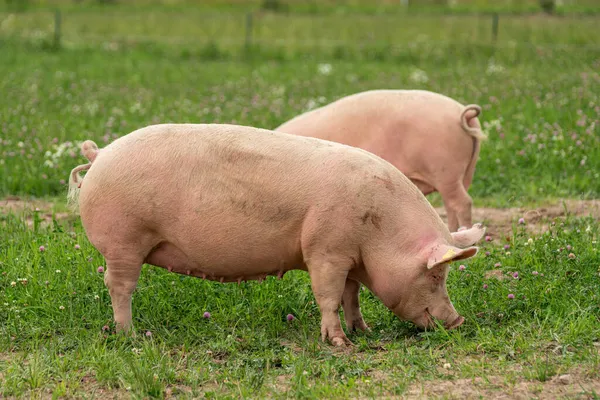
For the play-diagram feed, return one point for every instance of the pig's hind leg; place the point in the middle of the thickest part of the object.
(351, 306)
(124, 252)
(121, 278)
(124, 242)
(458, 204)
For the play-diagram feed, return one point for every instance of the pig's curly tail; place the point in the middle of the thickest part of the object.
(90, 150)
(471, 111)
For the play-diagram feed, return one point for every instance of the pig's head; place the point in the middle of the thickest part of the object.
(425, 298)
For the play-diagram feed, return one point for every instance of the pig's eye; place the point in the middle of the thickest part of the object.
(435, 281)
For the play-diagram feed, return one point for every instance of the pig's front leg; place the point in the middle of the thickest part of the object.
(350, 304)
(328, 281)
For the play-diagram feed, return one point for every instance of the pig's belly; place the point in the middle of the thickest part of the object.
(231, 264)
(228, 232)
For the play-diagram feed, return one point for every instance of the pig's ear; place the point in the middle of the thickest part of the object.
(444, 254)
(468, 237)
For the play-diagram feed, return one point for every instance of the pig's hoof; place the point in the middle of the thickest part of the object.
(129, 333)
(359, 325)
(341, 341)
(478, 226)
(126, 330)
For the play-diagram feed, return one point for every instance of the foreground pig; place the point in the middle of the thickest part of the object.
(432, 139)
(232, 203)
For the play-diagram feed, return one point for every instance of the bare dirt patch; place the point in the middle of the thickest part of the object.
(571, 386)
(82, 393)
(26, 209)
(89, 386)
(6, 357)
(499, 221)
(495, 274)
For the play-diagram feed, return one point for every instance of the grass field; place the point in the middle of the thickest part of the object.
(120, 70)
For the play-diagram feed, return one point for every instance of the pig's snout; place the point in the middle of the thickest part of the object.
(456, 323)
(451, 320)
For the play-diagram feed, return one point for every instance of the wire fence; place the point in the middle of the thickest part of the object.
(302, 32)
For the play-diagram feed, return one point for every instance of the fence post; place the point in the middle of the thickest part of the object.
(248, 42)
(495, 19)
(57, 23)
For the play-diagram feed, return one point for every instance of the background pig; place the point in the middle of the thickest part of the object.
(232, 203)
(431, 138)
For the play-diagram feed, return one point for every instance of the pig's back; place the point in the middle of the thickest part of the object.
(213, 161)
(415, 130)
(359, 119)
(214, 191)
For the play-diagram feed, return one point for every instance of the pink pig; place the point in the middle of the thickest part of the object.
(231, 203)
(431, 138)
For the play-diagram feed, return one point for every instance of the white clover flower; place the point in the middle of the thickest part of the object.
(325, 69)
(495, 124)
(53, 157)
(494, 68)
(278, 90)
(7, 23)
(419, 76)
(110, 46)
(314, 103)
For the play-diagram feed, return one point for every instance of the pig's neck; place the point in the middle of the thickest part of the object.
(389, 270)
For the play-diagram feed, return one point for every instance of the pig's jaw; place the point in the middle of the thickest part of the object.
(424, 321)
(386, 289)
(396, 302)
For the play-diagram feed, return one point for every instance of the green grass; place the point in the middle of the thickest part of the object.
(539, 88)
(52, 335)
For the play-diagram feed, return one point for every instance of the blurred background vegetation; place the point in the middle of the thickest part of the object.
(336, 6)
(217, 29)
(79, 69)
